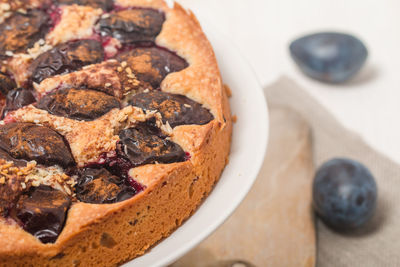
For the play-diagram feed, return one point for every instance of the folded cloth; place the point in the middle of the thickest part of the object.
(376, 244)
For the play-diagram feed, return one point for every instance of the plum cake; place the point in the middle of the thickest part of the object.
(115, 125)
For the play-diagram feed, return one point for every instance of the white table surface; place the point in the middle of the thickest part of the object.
(263, 29)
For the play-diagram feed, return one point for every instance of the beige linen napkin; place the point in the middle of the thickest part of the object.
(274, 225)
(378, 244)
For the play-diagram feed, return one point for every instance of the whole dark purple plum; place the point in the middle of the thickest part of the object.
(329, 56)
(344, 194)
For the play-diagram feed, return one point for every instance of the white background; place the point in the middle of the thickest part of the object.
(263, 29)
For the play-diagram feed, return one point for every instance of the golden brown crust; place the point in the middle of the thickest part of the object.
(76, 22)
(110, 234)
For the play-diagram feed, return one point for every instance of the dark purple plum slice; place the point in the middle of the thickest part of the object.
(21, 31)
(33, 142)
(27, 4)
(132, 25)
(66, 58)
(145, 144)
(100, 186)
(78, 104)
(176, 109)
(18, 98)
(152, 64)
(17, 162)
(106, 5)
(42, 212)
(6, 84)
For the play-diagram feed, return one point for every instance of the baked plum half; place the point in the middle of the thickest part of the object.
(100, 186)
(22, 30)
(17, 162)
(77, 104)
(18, 98)
(175, 109)
(146, 144)
(66, 58)
(34, 142)
(106, 5)
(132, 25)
(139, 145)
(42, 212)
(6, 84)
(151, 65)
(26, 4)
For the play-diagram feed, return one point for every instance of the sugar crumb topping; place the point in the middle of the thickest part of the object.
(9, 170)
(35, 175)
(39, 48)
(53, 176)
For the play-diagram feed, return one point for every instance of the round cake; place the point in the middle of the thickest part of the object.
(115, 125)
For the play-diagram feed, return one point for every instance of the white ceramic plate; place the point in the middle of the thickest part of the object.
(250, 135)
